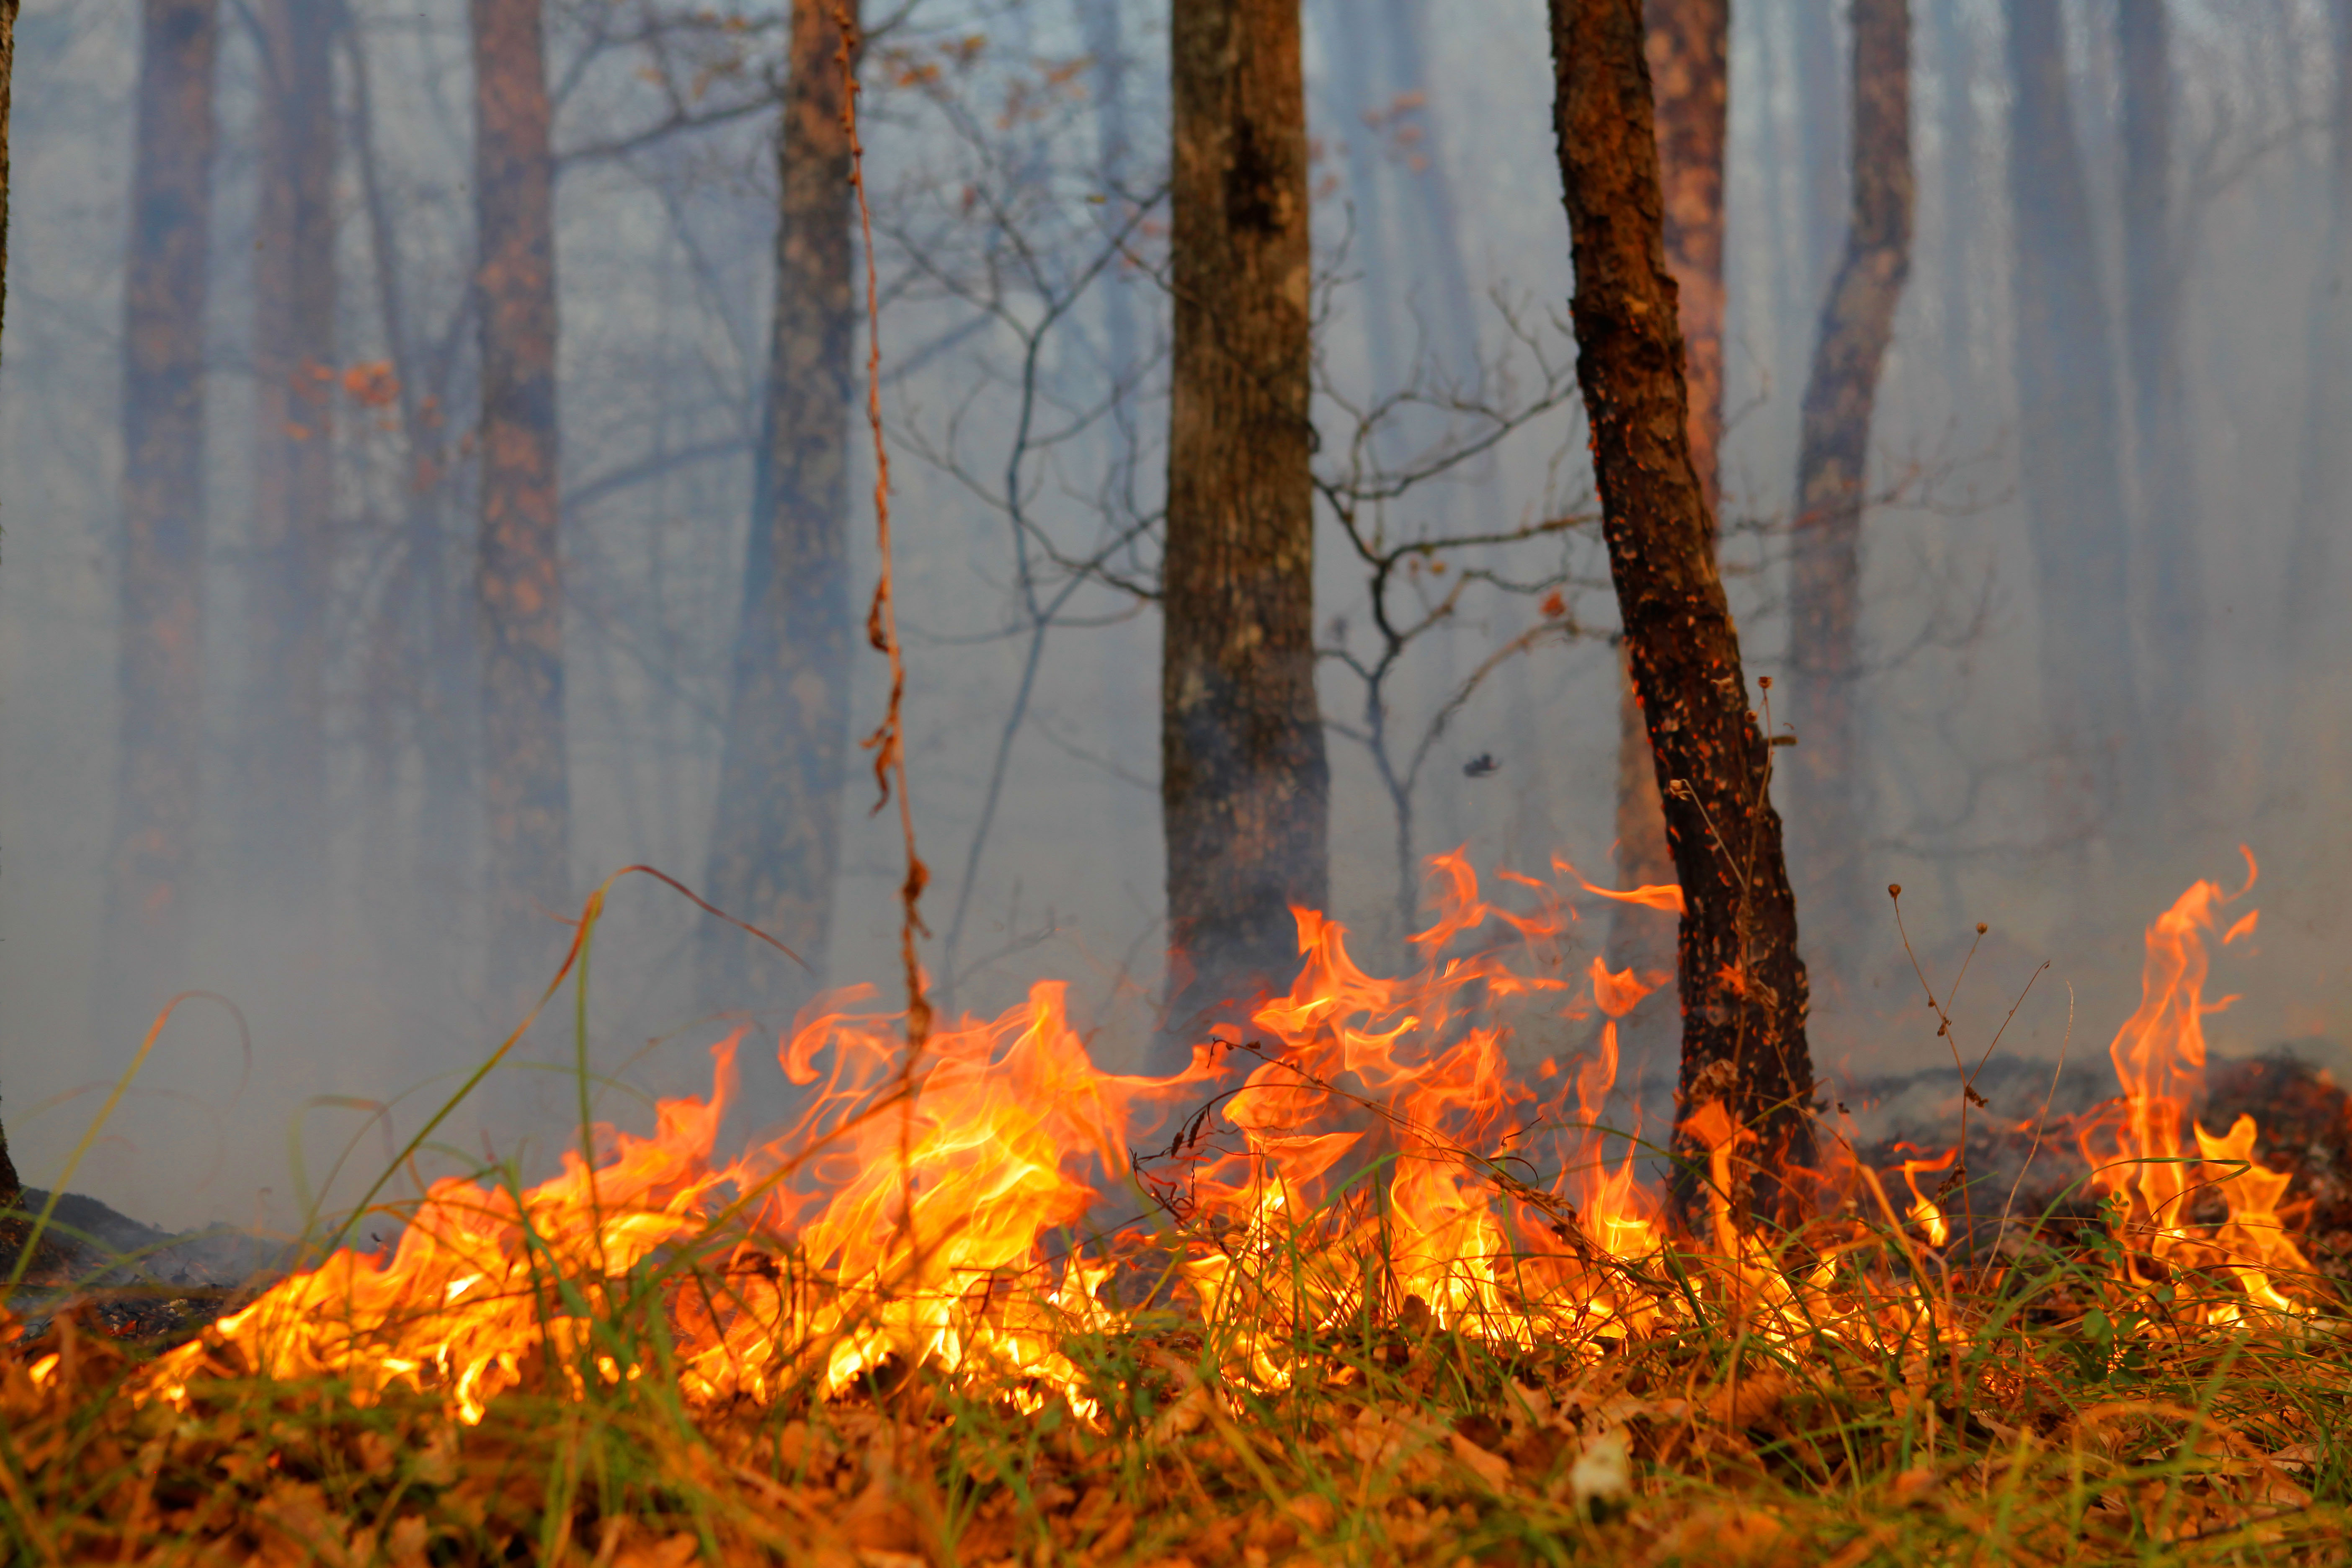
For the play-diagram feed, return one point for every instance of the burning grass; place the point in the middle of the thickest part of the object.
(1385, 1303)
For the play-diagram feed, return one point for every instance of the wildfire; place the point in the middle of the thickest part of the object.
(1381, 1155)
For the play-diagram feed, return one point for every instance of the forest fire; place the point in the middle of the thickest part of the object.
(1382, 1160)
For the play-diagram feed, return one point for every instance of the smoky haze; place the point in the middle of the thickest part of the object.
(1016, 152)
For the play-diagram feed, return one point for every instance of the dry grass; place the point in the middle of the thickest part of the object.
(2053, 1416)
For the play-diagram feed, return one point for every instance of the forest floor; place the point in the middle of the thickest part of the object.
(2043, 1409)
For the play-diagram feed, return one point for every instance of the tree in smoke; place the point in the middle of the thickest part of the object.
(2155, 254)
(8, 1184)
(160, 672)
(1688, 45)
(775, 851)
(526, 790)
(1243, 778)
(1825, 577)
(2325, 478)
(282, 747)
(1743, 986)
(2068, 427)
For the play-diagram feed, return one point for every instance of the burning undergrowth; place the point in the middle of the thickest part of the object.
(1383, 1297)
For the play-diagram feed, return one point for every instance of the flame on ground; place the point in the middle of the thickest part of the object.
(1381, 1157)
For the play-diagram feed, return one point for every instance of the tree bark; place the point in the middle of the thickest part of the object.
(1743, 986)
(161, 673)
(519, 584)
(1688, 45)
(282, 749)
(2324, 501)
(775, 842)
(2155, 255)
(1243, 778)
(1825, 574)
(2067, 430)
(9, 1187)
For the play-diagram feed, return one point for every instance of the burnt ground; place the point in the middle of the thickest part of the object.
(2026, 1171)
(136, 1282)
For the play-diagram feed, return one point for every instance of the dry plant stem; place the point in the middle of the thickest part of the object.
(888, 741)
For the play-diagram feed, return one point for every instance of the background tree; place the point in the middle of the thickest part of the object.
(776, 845)
(2155, 253)
(526, 786)
(1827, 769)
(1243, 777)
(2068, 431)
(8, 1184)
(161, 673)
(1689, 45)
(2326, 474)
(281, 750)
(1743, 986)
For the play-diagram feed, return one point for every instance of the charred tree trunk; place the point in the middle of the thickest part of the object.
(282, 748)
(9, 1187)
(1743, 986)
(1244, 779)
(1688, 45)
(1825, 586)
(2067, 428)
(2324, 493)
(2155, 254)
(161, 673)
(519, 587)
(775, 844)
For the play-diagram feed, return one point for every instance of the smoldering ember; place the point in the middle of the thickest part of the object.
(891, 782)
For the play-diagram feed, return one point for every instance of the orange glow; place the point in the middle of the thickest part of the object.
(2137, 1146)
(1386, 1153)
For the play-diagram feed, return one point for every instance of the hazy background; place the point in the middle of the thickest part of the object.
(1438, 210)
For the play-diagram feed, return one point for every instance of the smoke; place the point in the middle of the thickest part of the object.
(365, 1012)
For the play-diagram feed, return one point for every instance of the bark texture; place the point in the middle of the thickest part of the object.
(2155, 254)
(2067, 435)
(1243, 778)
(9, 1183)
(1824, 774)
(775, 844)
(1743, 986)
(1689, 45)
(281, 755)
(520, 586)
(161, 671)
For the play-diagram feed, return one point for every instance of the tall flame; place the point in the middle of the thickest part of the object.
(2136, 1148)
(1382, 1154)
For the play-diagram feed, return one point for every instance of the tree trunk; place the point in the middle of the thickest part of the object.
(282, 749)
(161, 673)
(2155, 254)
(2325, 494)
(9, 1185)
(1244, 779)
(1743, 986)
(1689, 45)
(2067, 428)
(775, 842)
(433, 669)
(525, 791)
(1833, 456)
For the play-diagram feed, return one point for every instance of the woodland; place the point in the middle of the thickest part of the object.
(1432, 740)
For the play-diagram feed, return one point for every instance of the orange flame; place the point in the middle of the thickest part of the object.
(2136, 1148)
(1383, 1156)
